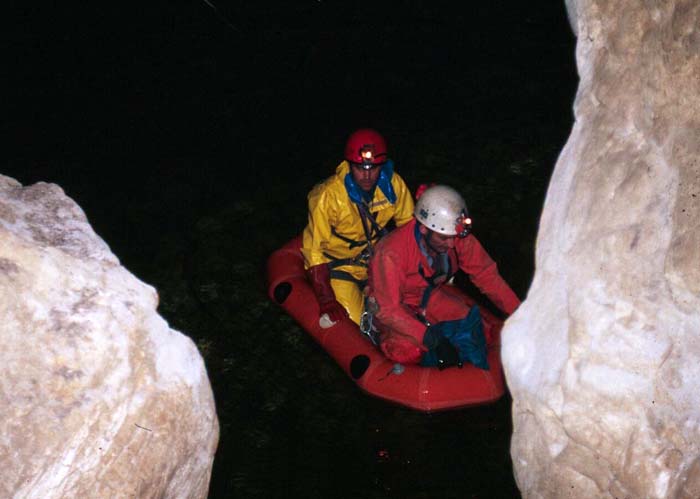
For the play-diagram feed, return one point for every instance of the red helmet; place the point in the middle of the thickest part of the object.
(366, 147)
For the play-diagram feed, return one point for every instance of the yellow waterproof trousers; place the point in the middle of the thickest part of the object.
(350, 296)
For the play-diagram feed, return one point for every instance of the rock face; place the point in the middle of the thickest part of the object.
(603, 358)
(98, 396)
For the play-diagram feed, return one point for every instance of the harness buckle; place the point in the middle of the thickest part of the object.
(420, 315)
(367, 320)
(363, 257)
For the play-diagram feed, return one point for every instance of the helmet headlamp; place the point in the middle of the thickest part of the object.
(464, 225)
(367, 156)
(369, 159)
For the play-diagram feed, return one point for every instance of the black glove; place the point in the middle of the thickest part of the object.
(432, 336)
(441, 353)
(446, 353)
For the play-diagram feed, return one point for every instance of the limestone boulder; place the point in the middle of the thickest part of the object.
(98, 396)
(603, 357)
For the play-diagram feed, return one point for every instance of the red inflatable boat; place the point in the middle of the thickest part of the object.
(422, 388)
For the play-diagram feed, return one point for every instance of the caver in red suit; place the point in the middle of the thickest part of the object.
(406, 262)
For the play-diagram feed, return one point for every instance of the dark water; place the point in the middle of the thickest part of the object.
(191, 145)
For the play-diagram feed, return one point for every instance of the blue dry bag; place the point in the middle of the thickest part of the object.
(467, 335)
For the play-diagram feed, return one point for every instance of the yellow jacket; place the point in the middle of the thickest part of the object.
(331, 206)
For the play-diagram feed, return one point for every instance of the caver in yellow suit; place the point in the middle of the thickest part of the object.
(344, 223)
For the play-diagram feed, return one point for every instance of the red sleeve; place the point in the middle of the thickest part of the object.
(483, 272)
(388, 278)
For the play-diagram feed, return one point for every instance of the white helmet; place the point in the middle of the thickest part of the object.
(443, 210)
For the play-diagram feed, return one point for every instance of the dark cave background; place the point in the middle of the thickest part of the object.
(190, 135)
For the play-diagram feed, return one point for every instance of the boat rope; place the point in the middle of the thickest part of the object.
(221, 16)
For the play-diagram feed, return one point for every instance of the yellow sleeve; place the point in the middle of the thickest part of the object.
(404, 201)
(317, 233)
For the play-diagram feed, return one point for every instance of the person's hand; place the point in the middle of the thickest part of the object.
(441, 352)
(334, 310)
(320, 279)
(447, 355)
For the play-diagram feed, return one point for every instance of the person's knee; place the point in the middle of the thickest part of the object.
(403, 352)
(354, 304)
(349, 296)
(355, 310)
(445, 307)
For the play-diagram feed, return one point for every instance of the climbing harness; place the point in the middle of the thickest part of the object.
(373, 231)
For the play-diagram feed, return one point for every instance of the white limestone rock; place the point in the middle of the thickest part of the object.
(99, 397)
(603, 357)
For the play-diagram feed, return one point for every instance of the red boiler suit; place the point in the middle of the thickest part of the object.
(397, 285)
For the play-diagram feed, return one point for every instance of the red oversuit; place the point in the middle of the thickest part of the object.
(397, 285)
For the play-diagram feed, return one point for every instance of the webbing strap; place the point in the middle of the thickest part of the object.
(374, 231)
(346, 276)
(377, 230)
(360, 260)
(352, 243)
(370, 227)
(428, 290)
